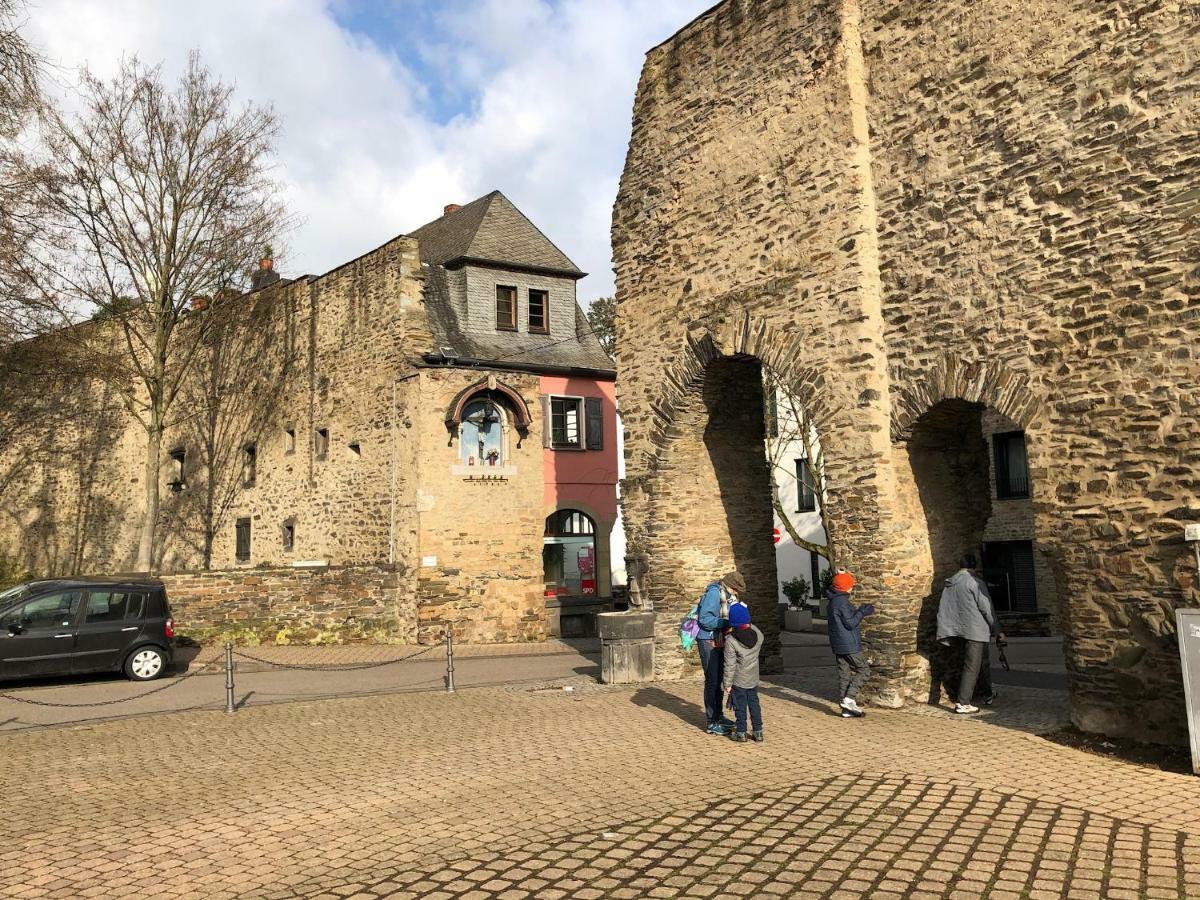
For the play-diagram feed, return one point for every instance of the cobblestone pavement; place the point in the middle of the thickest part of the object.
(593, 793)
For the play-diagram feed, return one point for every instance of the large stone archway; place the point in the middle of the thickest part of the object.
(911, 245)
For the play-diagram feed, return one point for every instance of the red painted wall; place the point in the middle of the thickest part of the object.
(584, 479)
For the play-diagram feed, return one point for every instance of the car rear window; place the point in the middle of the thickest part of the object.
(113, 606)
(155, 607)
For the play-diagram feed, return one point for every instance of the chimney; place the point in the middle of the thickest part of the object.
(265, 274)
(451, 207)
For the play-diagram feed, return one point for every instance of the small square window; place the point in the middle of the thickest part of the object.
(322, 443)
(356, 448)
(539, 311)
(289, 439)
(289, 536)
(506, 308)
(243, 540)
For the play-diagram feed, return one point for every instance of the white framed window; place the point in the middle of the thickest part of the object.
(573, 423)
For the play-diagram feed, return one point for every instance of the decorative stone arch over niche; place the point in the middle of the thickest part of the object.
(493, 389)
(953, 378)
(744, 335)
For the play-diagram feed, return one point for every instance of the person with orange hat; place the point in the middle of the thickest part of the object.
(845, 639)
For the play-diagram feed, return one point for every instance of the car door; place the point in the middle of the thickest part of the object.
(38, 637)
(111, 620)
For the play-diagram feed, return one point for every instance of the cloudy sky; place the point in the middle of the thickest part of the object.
(393, 108)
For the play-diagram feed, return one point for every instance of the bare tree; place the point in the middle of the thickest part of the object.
(788, 427)
(160, 196)
(20, 197)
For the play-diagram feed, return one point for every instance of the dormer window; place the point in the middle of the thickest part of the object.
(506, 308)
(539, 311)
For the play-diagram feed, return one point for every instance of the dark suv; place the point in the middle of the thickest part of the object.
(73, 626)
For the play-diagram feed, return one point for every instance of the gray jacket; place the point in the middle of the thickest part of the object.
(965, 609)
(741, 658)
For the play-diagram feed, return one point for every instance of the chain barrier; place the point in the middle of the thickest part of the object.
(228, 668)
(334, 667)
(174, 682)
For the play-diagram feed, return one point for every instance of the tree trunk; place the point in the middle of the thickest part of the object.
(145, 557)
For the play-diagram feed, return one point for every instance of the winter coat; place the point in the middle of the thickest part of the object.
(742, 647)
(965, 609)
(714, 608)
(843, 623)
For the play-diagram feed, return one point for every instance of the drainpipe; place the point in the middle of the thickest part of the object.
(392, 520)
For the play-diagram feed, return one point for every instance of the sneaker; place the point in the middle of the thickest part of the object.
(850, 703)
(965, 709)
(738, 736)
(717, 728)
(758, 738)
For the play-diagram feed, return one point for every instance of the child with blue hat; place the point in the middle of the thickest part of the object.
(743, 644)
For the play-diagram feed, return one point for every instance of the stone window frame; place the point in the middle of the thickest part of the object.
(289, 440)
(249, 464)
(505, 415)
(288, 535)
(321, 443)
(511, 324)
(178, 457)
(544, 293)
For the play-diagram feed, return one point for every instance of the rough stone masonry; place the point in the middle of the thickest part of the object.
(915, 214)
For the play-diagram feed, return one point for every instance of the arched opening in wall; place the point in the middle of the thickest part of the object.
(569, 554)
(712, 509)
(972, 481)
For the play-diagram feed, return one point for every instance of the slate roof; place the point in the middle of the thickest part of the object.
(492, 230)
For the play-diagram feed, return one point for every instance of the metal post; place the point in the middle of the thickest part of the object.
(449, 660)
(229, 704)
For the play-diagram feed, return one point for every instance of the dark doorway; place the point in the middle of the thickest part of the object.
(1008, 569)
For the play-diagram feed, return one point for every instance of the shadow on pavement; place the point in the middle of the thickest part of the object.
(794, 696)
(692, 713)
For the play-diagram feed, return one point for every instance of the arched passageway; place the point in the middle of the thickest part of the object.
(712, 499)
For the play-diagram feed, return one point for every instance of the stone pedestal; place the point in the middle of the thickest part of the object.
(626, 647)
(796, 619)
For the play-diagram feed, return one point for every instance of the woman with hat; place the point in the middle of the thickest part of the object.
(713, 618)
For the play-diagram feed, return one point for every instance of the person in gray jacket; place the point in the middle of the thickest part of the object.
(740, 679)
(966, 618)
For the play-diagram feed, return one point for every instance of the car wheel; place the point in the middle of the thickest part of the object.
(145, 664)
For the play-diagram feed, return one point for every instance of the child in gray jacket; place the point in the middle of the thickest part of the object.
(740, 683)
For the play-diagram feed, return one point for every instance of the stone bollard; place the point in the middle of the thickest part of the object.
(626, 647)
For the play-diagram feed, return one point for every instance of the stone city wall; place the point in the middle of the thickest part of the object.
(914, 215)
(334, 604)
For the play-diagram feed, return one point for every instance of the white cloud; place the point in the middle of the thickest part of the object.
(363, 159)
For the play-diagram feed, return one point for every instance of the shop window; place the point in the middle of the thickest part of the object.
(1012, 468)
(569, 554)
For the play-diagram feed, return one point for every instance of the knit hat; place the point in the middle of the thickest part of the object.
(734, 581)
(739, 614)
(843, 582)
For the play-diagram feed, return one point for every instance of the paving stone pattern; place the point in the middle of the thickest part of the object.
(442, 795)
